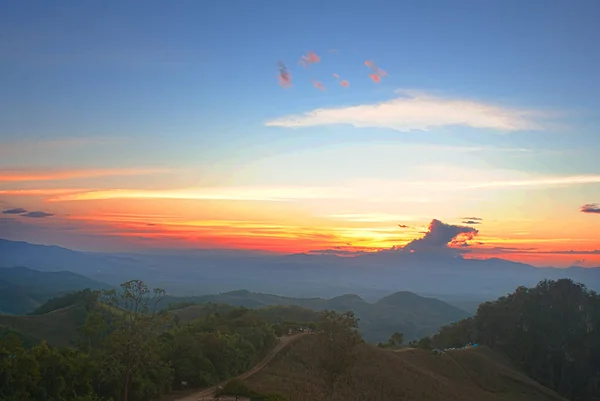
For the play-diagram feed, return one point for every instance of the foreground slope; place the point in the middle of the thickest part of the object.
(58, 328)
(412, 374)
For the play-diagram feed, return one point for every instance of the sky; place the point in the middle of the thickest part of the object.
(133, 125)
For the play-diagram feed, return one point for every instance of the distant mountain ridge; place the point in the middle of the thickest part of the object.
(369, 275)
(403, 311)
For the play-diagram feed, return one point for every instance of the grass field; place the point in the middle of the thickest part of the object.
(414, 374)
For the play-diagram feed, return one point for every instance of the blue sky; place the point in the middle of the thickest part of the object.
(192, 85)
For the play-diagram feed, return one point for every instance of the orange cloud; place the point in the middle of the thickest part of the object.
(54, 175)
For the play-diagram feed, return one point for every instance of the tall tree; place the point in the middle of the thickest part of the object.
(133, 345)
(339, 340)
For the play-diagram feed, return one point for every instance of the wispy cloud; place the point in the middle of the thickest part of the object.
(591, 208)
(17, 210)
(42, 191)
(414, 191)
(418, 111)
(224, 193)
(14, 175)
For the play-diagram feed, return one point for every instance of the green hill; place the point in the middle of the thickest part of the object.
(22, 289)
(406, 312)
(58, 328)
(411, 374)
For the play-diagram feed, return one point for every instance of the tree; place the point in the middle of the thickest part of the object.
(396, 340)
(133, 346)
(339, 340)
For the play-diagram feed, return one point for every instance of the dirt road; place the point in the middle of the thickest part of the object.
(207, 394)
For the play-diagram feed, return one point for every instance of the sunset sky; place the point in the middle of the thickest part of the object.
(126, 126)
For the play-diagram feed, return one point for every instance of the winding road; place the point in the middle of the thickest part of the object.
(207, 394)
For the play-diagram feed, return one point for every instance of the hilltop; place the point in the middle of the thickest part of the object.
(403, 311)
(58, 328)
(408, 374)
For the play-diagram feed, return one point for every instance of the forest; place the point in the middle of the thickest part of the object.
(551, 331)
(128, 350)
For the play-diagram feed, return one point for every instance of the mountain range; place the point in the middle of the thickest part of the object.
(403, 311)
(456, 280)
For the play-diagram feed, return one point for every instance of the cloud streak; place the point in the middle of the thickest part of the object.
(8, 175)
(417, 111)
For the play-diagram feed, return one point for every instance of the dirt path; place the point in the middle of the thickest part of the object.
(207, 394)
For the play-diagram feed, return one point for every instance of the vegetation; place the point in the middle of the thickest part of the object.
(395, 341)
(22, 290)
(339, 341)
(407, 374)
(413, 315)
(127, 350)
(551, 331)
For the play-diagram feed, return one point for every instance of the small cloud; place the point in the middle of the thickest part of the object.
(285, 78)
(471, 222)
(318, 85)
(345, 83)
(37, 214)
(579, 262)
(309, 58)
(591, 208)
(403, 226)
(17, 210)
(416, 111)
(472, 218)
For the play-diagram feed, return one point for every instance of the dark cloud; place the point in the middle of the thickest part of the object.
(579, 262)
(472, 218)
(38, 214)
(471, 222)
(403, 226)
(17, 210)
(439, 236)
(591, 208)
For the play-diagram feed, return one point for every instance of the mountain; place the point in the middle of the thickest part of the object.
(409, 313)
(408, 374)
(23, 289)
(58, 328)
(455, 280)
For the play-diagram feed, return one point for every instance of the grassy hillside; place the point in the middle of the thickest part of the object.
(58, 328)
(410, 374)
(404, 311)
(23, 289)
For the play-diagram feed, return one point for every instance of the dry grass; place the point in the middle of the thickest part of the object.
(416, 375)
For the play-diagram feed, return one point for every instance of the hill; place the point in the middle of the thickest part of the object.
(409, 313)
(58, 328)
(23, 289)
(411, 374)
